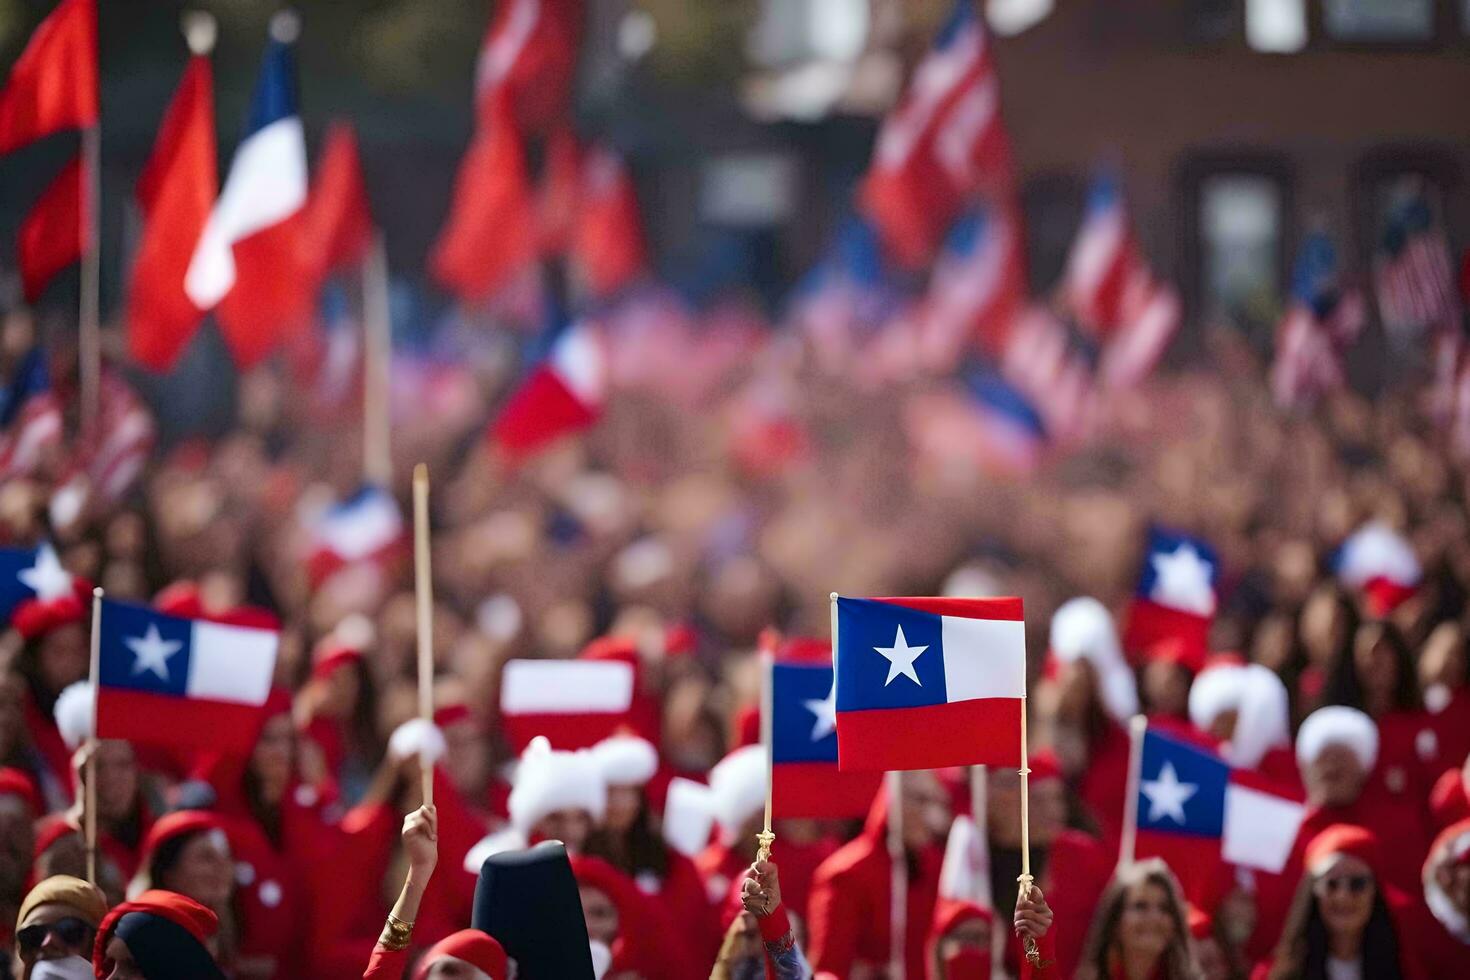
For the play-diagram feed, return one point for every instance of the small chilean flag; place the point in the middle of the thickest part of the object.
(805, 781)
(190, 683)
(1175, 599)
(562, 394)
(925, 683)
(574, 703)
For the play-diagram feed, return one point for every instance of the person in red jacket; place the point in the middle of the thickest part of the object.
(53, 656)
(646, 944)
(628, 838)
(1140, 930)
(1094, 693)
(1345, 919)
(1444, 939)
(1444, 677)
(849, 912)
(339, 706)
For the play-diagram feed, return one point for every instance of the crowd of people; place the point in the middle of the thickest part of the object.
(666, 539)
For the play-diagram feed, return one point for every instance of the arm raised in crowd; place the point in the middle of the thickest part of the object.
(421, 844)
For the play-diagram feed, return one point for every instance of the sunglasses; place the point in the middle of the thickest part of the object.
(70, 931)
(1353, 884)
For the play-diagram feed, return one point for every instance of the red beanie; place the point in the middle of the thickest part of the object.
(1343, 838)
(330, 654)
(34, 618)
(195, 919)
(1044, 765)
(176, 824)
(471, 945)
(50, 830)
(14, 782)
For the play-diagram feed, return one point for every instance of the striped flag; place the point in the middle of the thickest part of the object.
(976, 289)
(1321, 321)
(30, 417)
(106, 463)
(1412, 272)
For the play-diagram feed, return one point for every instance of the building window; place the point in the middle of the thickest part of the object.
(1240, 220)
(1052, 206)
(1378, 20)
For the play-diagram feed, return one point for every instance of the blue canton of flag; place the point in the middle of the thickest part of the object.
(1179, 572)
(30, 573)
(1181, 788)
(896, 655)
(804, 714)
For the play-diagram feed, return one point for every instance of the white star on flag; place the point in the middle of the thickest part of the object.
(152, 651)
(901, 659)
(1182, 581)
(1167, 795)
(825, 710)
(46, 577)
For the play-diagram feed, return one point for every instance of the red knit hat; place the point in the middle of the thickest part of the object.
(34, 618)
(176, 824)
(330, 654)
(470, 945)
(13, 782)
(1044, 765)
(50, 830)
(195, 919)
(1343, 838)
(184, 599)
(611, 648)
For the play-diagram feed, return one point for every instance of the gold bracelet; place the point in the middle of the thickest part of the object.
(396, 933)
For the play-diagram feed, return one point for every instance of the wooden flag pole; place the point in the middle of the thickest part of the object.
(89, 326)
(377, 356)
(766, 837)
(899, 884)
(1137, 725)
(1033, 955)
(89, 815)
(425, 595)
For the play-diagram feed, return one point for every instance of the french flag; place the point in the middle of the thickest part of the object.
(367, 526)
(30, 417)
(248, 261)
(574, 703)
(1175, 598)
(188, 683)
(564, 393)
(805, 780)
(926, 683)
(1194, 810)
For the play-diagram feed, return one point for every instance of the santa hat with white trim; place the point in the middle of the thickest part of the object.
(1215, 691)
(1082, 628)
(548, 780)
(625, 760)
(738, 789)
(1380, 563)
(1337, 725)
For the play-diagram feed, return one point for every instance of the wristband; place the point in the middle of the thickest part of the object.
(396, 934)
(775, 927)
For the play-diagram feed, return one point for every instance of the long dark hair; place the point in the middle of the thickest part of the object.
(642, 848)
(1344, 685)
(1177, 963)
(1301, 953)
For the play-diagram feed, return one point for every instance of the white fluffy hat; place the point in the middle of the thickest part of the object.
(738, 788)
(1215, 690)
(1337, 725)
(548, 780)
(688, 816)
(1377, 551)
(625, 760)
(417, 737)
(1264, 719)
(74, 712)
(1083, 629)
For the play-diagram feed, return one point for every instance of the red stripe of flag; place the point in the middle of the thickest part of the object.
(182, 722)
(984, 731)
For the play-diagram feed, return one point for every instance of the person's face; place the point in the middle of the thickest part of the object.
(972, 934)
(16, 843)
(601, 914)
(121, 960)
(623, 804)
(1210, 956)
(203, 871)
(53, 931)
(1003, 806)
(466, 757)
(1344, 894)
(1076, 689)
(117, 779)
(571, 827)
(1146, 927)
(340, 692)
(1455, 880)
(1376, 666)
(1223, 726)
(926, 813)
(1335, 777)
(450, 968)
(1048, 810)
(63, 658)
(1166, 687)
(1236, 916)
(1322, 627)
(272, 757)
(12, 715)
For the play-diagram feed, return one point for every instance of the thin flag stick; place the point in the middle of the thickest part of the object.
(899, 884)
(89, 332)
(1137, 725)
(766, 837)
(89, 817)
(377, 459)
(1025, 879)
(425, 594)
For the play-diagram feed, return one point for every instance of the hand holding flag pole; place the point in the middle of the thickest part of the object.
(89, 819)
(1033, 955)
(766, 837)
(425, 595)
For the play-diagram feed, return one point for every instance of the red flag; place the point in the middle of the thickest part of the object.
(176, 192)
(608, 242)
(51, 235)
(337, 227)
(560, 191)
(491, 232)
(530, 55)
(54, 84)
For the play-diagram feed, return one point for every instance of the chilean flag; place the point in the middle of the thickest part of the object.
(248, 261)
(805, 780)
(31, 573)
(930, 682)
(1175, 598)
(563, 394)
(977, 287)
(189, 683)
(1195, 811)
(574, 703)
